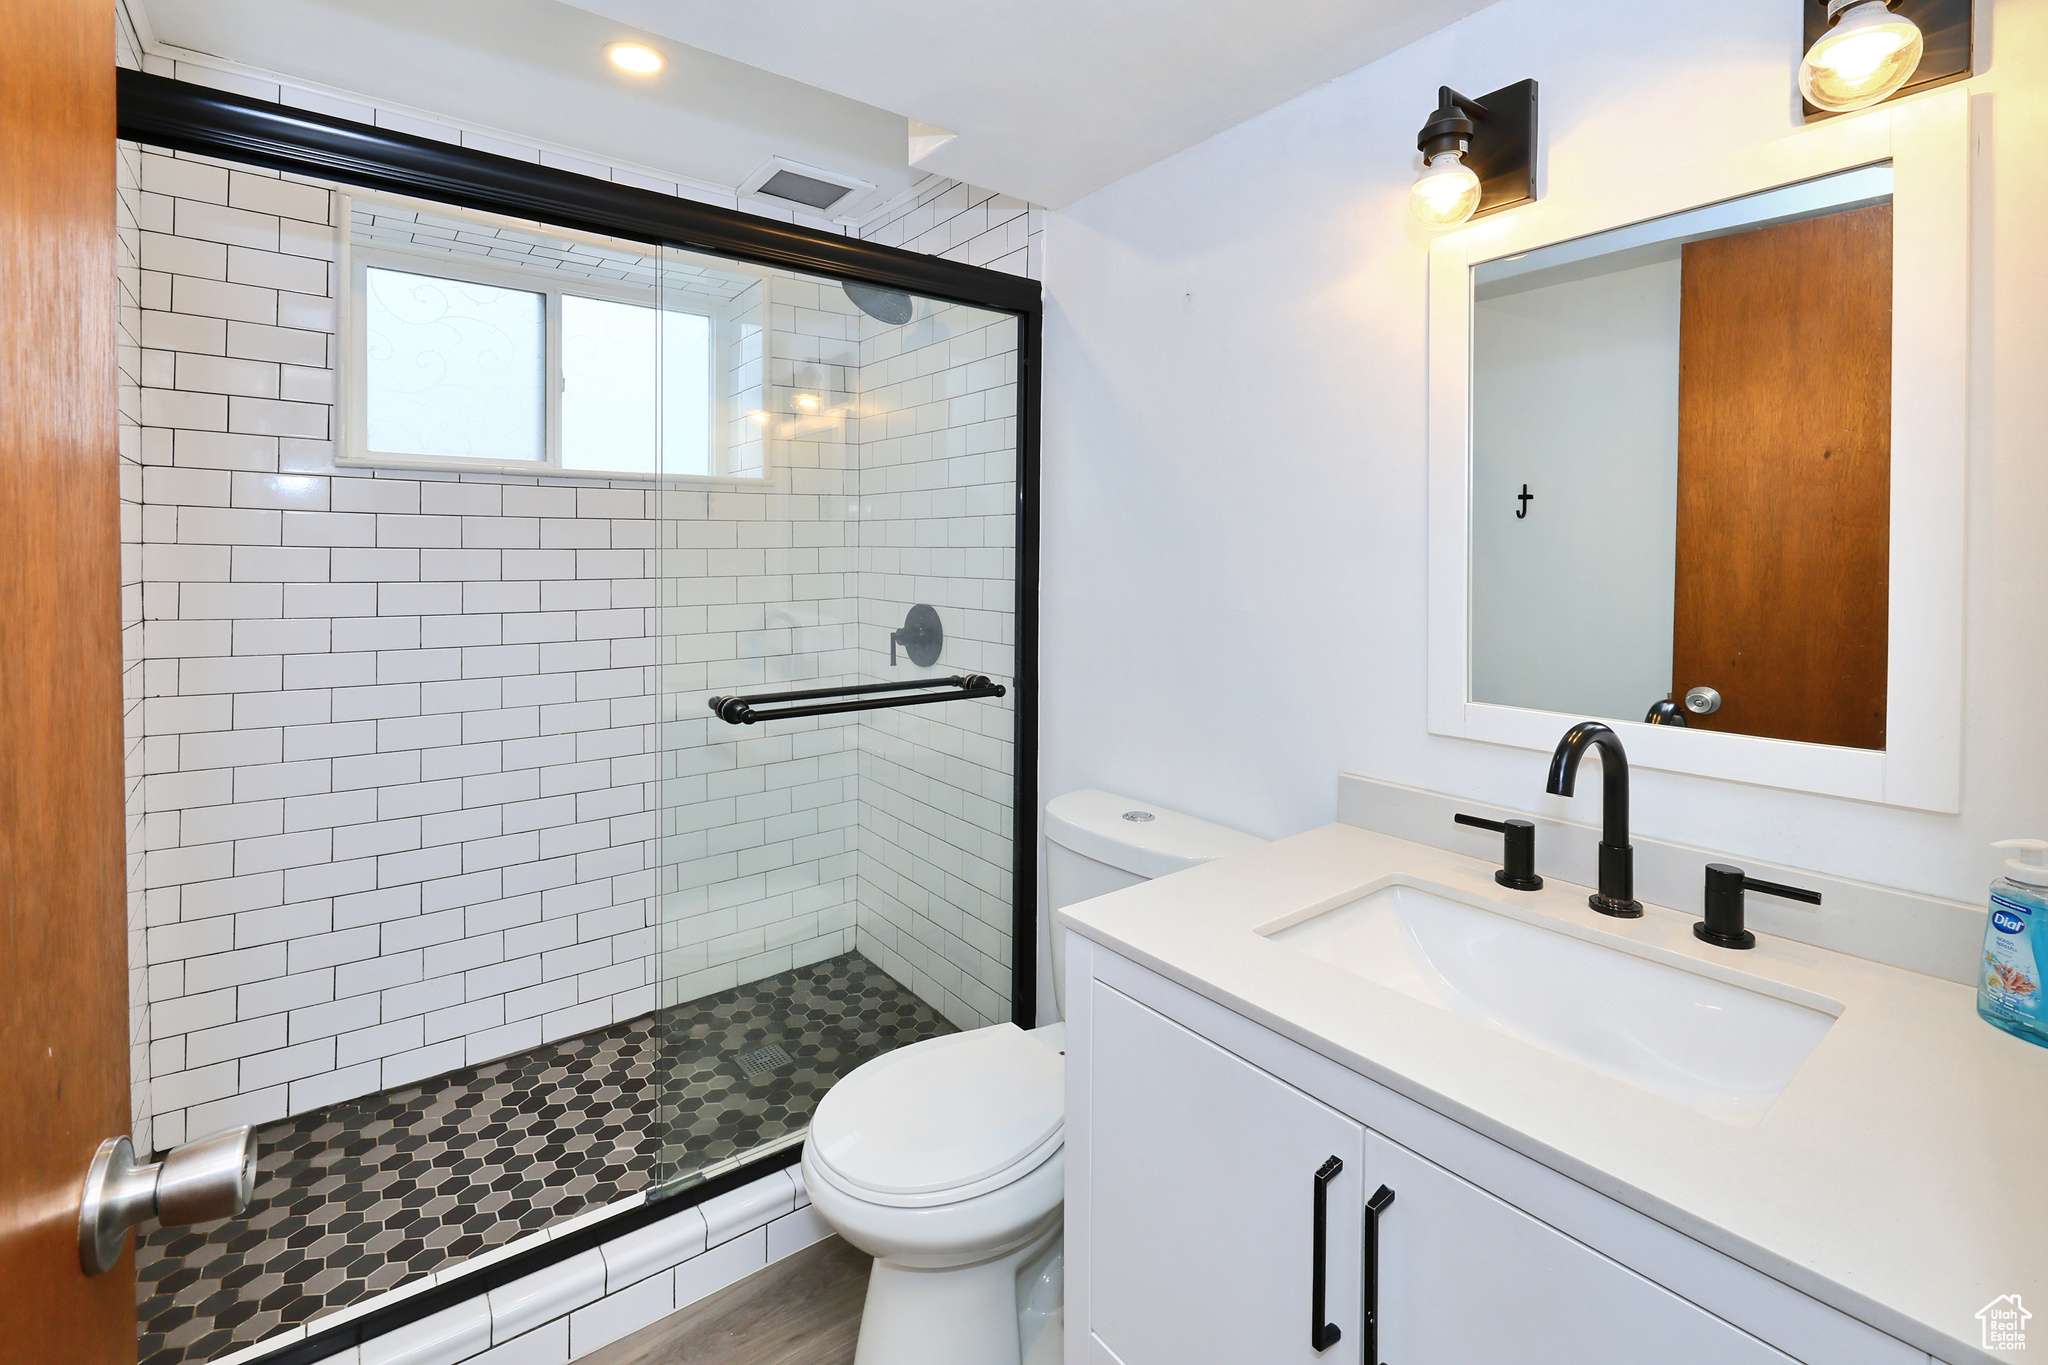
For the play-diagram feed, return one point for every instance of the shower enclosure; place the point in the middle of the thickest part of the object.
(833, 885)
(761, 461)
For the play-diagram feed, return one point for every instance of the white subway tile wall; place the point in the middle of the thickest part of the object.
(950, 218)
(395, 766)
(399, 769)
(397, 780)
(885, 831)
(938, 497)
(760, 823)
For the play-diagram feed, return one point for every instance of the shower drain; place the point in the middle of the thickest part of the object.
(763, 1060)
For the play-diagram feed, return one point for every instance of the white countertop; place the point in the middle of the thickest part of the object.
(1901, 1177)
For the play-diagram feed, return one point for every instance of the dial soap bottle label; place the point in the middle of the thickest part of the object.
(2012, 977)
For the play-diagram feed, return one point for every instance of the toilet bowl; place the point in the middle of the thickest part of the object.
(945, 1160)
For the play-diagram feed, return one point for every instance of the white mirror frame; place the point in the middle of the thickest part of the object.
(1927, 140)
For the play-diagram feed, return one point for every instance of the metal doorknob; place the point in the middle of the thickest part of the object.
(1702, 701)
(197, 1183)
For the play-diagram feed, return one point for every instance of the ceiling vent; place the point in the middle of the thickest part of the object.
(817, 190)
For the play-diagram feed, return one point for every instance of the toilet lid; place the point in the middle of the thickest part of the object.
(944, 1114)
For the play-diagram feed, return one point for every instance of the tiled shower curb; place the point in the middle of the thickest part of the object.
(564, 1291)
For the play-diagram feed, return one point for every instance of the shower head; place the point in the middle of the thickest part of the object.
(892, 306)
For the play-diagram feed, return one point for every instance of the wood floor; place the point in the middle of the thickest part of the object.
(803, 1310)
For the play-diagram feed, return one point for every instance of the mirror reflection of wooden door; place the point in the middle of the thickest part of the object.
(1784, 478)
(63, 932)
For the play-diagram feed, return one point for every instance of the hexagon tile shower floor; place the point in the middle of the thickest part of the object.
(367, 1195)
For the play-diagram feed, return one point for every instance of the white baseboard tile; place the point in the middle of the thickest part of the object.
(621, 1314)
(750, 1206)
(573, 1307)
(451, 1335)
(793, 1232)
(519, 1307)
(654, 1248)
(544, 1345)
(721, 1266)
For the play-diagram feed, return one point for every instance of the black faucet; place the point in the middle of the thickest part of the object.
(1617, 893)
(1518, 870)
(1723, 925)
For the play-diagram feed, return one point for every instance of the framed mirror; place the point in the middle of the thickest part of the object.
(1697, 463)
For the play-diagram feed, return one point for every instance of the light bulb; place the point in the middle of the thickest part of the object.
(807, 401)
(1446, 192)
(637, 58)
(1862, 60)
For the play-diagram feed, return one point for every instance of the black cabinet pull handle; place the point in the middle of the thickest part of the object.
(1374, 1207)
(1322, 1335)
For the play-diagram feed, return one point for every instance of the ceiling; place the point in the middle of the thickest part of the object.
(1049, 100)
(537, 68)
(1053, 99)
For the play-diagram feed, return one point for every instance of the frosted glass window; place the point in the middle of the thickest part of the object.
(454, 368)
(633, 378)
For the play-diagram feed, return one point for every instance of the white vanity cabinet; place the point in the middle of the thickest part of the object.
(1466, 1276)
(1194, 1139)
(1200, 1158)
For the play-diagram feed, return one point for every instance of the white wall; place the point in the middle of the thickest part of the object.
(1234, 449)
(1575, 395)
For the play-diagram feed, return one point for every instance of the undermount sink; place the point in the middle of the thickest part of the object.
(1722, 1049)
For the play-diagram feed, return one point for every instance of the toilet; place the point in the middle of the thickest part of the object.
(943, 1160)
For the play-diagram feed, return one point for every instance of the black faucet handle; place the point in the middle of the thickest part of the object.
(1518, 857)
(1723, 926)
(1790, 893)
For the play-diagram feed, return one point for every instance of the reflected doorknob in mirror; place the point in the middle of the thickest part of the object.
(1702, 701)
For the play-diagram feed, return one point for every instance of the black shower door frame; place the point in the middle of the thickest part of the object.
(185, 117)
(181, 116)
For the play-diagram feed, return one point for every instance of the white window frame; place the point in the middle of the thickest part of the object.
(352, 413)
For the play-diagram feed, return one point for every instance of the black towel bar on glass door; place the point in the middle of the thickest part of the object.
(740, 710)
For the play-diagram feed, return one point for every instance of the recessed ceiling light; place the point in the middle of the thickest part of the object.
(637, 58)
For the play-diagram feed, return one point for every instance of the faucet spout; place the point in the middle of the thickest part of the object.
(1617, 895)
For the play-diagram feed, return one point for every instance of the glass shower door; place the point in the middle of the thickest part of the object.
(835, 885)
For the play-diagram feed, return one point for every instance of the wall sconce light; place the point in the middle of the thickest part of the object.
(1477, 156)
(1864, 52)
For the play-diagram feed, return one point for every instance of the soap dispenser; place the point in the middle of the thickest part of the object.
(2009, 986)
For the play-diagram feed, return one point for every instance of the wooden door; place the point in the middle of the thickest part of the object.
(1201, 1209)
(1784, 478)
(63, 940)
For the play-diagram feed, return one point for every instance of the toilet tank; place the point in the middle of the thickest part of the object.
(1097, 842)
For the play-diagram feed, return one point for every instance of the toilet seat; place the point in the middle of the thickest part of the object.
(942, 1121)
